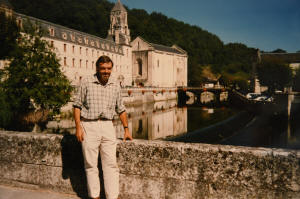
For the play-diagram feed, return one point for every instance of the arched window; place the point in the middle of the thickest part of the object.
(140, 67)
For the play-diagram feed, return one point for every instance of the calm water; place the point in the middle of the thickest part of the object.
(158, 120)
(165, 119)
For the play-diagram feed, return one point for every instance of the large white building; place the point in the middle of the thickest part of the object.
(136, 62)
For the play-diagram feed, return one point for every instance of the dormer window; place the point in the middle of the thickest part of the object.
(86, 40)
(64, 35)
(92, 43)
(72, 37)
(52, 32)
(19, 23)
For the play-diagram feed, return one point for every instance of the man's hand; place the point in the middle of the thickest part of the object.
(79, 134)
(126, 135)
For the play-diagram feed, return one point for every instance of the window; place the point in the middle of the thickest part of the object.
(80, 50)
(72, 37)
(97, 53)
(19, 23)
(140, 67)
(52, 32)
(65, 47)
(86, 63)
(80, 61)
(87, 51)
(140, 129)
(157, 63)
(92, 64)
(65, 61)
(73, 62)
(73, 49)
(52, 43)
(92, 53)
(64, 35)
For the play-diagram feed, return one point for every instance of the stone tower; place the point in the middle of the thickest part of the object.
(118, 25)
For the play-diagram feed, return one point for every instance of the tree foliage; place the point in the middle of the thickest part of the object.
(278, 51)
(9, 32)
(274, 74)
(33, 80)
(296, 85)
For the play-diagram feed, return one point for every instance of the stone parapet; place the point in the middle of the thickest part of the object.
(153, 169)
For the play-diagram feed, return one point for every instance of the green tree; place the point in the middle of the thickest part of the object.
(9, 32)
(274, 74)
(296, 85)
(278, 51)
(33, 81)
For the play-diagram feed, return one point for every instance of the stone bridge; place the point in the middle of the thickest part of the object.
(198, 93)
(153, 169)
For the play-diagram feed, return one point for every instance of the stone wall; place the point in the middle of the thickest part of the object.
(153, 169)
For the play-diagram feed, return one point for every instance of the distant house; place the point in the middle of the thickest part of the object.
(292, 59)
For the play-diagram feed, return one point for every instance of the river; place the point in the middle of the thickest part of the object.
(223, 125)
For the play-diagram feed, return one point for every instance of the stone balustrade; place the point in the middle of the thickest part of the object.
(153, 169)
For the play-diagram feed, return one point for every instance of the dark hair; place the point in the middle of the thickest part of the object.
(104, 59)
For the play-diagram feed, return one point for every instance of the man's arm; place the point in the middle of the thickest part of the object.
(123, 118)
(79, 132)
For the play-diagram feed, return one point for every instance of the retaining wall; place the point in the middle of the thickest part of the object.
(153, 169)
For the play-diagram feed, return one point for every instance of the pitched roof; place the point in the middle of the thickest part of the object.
(63, 33)
(119, 7)
(165, 48)
(173, 49)
(284, 57)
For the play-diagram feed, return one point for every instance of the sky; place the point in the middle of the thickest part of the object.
(263, 24)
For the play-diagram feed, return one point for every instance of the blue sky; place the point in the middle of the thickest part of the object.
(263, 24)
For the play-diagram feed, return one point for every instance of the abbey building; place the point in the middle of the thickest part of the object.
(136, 62)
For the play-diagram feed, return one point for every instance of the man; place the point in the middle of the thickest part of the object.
(97, 100)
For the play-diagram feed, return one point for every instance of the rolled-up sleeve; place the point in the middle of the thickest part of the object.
(119, 104)
(79, 96)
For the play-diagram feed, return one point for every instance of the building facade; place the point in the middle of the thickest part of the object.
(161, 66)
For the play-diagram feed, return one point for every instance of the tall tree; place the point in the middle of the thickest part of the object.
(9, 32)
(278, 51)
(33, 81)
(274, 74)
(296, 85)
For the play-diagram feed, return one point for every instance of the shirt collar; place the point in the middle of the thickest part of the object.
(110, 80)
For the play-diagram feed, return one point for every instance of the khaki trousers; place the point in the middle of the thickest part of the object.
(100, 135)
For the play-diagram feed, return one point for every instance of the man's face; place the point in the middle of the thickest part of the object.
(104, 70)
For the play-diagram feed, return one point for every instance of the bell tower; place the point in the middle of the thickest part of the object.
(119, 30)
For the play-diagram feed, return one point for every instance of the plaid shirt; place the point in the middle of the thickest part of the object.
(98, 101)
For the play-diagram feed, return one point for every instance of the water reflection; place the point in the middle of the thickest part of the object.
(164, 120)
(155, 121)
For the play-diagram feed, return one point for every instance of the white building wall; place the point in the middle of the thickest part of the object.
(163, 69)
(78, 61)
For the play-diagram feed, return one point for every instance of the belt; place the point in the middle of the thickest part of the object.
(93, 120)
